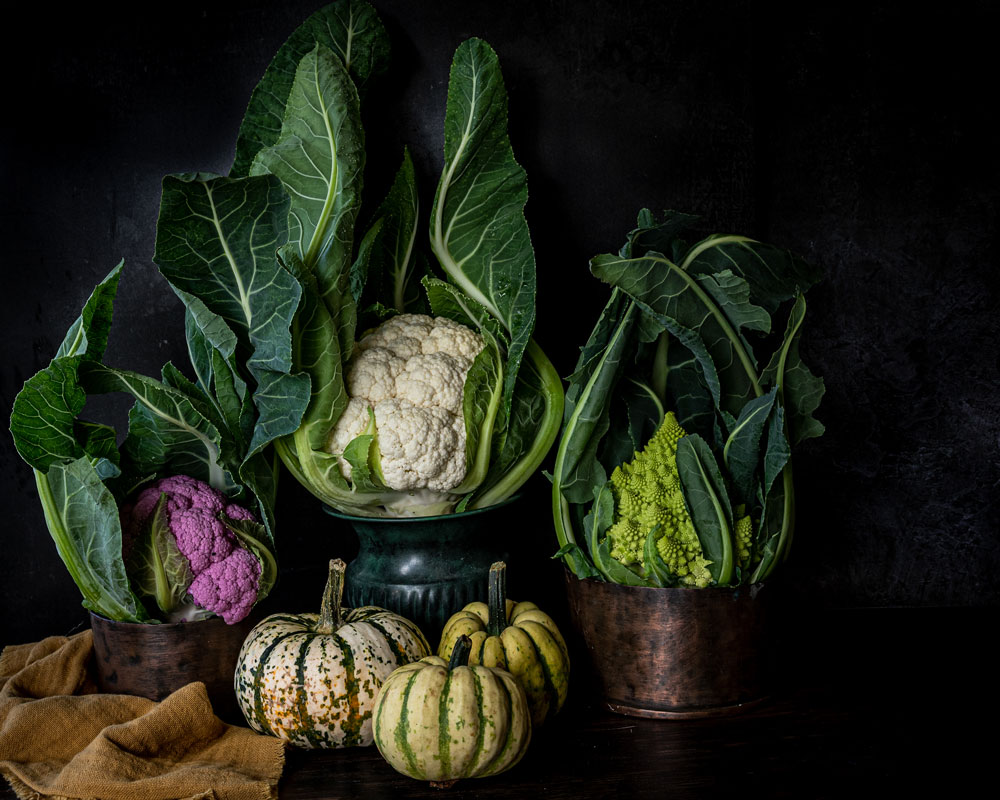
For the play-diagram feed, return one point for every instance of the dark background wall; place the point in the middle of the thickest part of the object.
(842, 131)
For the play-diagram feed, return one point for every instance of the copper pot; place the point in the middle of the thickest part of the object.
(673, 652)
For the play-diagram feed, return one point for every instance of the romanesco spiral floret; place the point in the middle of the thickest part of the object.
(742, 537)
(647, 494)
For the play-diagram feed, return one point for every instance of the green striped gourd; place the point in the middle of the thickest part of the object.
(311, 679)
(517, 637)
(440, 720)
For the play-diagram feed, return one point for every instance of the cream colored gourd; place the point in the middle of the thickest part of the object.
(440, 720)
(517, 637)
(311, 679)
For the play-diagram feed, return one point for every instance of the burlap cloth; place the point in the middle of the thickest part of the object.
(60, 738)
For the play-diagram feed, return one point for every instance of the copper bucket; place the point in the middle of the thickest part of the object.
(154, 660)
(673, 653)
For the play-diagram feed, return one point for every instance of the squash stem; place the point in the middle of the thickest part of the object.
(497, 599)
(460, 652)
(331, 618)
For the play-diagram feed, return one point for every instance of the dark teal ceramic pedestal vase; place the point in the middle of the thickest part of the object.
(426, 568)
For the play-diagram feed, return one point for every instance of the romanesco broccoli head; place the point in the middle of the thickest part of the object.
(647, 492)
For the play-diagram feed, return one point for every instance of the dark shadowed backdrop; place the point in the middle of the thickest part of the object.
(833, 130)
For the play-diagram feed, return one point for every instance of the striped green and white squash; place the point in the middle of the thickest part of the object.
(440, 720)
(311, 679)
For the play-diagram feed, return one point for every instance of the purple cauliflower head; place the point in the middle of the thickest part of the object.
(182, 549)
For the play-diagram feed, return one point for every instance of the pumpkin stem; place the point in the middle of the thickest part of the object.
(497, 599)
(460, 652)
(331, 619)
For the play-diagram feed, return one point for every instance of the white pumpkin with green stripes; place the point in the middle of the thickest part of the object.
(311, 679)
(440, 720)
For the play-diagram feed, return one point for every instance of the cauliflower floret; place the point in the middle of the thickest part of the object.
(373, 375)
(421, 447)
(411, 372)
(432, 381)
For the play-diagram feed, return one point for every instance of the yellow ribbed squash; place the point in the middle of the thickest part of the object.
(517, 637)
(440, 720)
(311, 679)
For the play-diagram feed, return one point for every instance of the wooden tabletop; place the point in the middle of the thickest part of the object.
(866, 701)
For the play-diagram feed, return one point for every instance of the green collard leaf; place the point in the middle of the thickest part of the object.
(362, 453)
(44, 413)
(527, 432)
(319, 158)
(572, 553)
(659, 237)
(799, 390)
(634, 415)
(216, 240)
(449, 301)
(778, 452)
(82, 517)
(392, 274)
(667, 290)
(360, 278)
(596, 524)
(349, 28)
(206, 333)
(88, 335)
(772, 531)
(708, 503)
(691, 375)
(167, 432)
(482, 398)
(742, 451)
(577, 471)
(478, 229)
(773, 274)
(259, 474)
(318, 362)
(97, 441)
(318, 354)
(656, 568)
(732, 294)
(158, 570)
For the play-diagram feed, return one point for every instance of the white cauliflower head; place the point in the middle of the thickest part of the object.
(410, 371)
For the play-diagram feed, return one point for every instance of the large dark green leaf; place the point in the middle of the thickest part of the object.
(478, 229)
(319, 158)
(390, 275)
(82, 517)
(742, 451)
(216, 242)
(349, 28)
(596, 524)
(773, 274)
(659, 237)
(577, 472)
(800, 391)
(708, 503)
(43, 418)
(157, 569)
(591, 387)
(88, 335)
(715, 307)
(167, 432)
